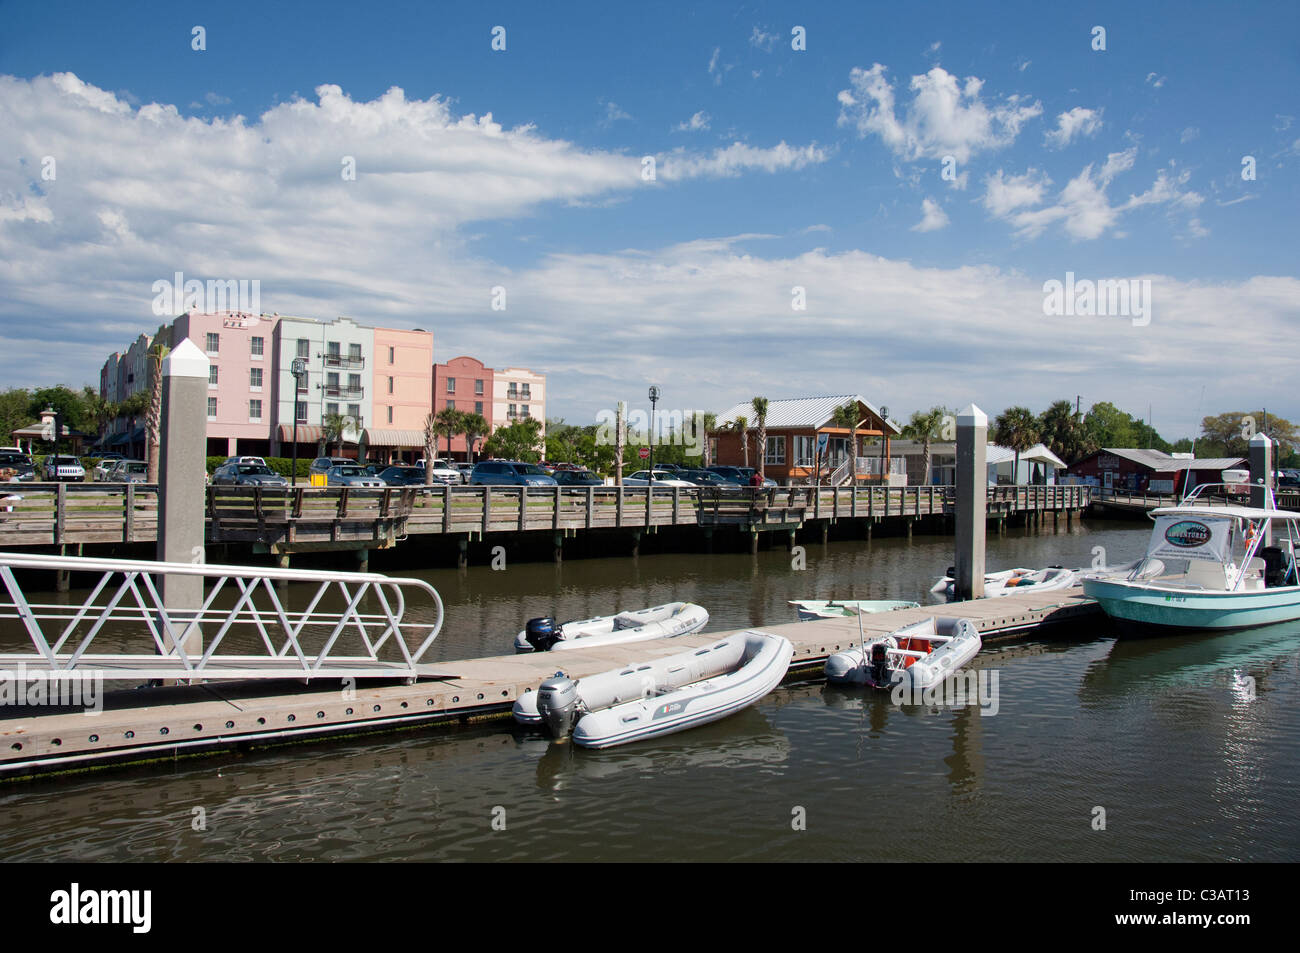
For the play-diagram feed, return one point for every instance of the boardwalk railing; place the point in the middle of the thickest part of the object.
(1286, 500)
(55, 514)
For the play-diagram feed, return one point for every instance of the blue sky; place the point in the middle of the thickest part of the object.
(819, 168)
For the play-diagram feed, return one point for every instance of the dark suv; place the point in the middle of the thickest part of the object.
(510, 473)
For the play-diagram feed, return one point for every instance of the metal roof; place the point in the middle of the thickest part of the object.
(811, 412)
(1159, 460)
(1038, 453)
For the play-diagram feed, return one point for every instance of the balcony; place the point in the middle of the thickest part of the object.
(343, 392)
(345, 363)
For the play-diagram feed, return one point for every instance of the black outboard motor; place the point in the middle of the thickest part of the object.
(1274, 565)
(879, 664)
(542, 633)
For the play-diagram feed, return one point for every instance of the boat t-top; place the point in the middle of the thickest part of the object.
(1209, 566)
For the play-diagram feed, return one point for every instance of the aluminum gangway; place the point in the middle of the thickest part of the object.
(344, 622)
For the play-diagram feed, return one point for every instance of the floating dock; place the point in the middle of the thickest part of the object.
(157, 723)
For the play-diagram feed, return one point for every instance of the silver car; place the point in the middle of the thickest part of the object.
(352, 475)
(127, 471)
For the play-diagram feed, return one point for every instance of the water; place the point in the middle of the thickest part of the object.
(1165, 735)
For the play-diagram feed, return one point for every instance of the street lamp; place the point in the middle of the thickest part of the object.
(299, 370)
(654, 397)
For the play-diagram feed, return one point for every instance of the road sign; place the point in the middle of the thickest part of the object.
(643, 453)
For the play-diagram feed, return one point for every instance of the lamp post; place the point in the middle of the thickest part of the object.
(299, 370)
(654, 397)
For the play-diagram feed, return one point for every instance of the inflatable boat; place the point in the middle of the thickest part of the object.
(667, 695)
(657, 622)
(810, 609)
(1010, 581)
(918, 656)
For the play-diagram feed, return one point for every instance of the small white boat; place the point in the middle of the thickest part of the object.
(657, 622)
(661, 697)
(919, 656)
(810, 609)
(1010, 581)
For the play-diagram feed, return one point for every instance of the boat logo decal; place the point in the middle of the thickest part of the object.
(672, 708)
(1188, 534)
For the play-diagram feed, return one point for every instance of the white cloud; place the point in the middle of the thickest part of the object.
(945, 116)
(699, 121)
(716, 69)
(1154, 81)
(1006, 194)
(1188, 134)
(933, 217)
(761, 40)
(613, 113)
(1077, 122)
(216, 99)
(739, 157)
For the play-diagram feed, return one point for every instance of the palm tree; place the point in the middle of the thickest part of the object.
(1060, 429)
(924, 426)
(760, 411)
(449, 424)
(1016, 428)
(334, 428)
(847, 417)
(708, 423)
(474, 427)
(431, 433)
(741, 425)
(153, 421)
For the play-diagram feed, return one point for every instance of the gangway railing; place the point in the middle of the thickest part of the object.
(347, 621)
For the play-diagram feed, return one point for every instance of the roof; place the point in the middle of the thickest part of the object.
(1038, 453)
(1159, 460)
(394, 438)
(811, 412)
(1208, 511)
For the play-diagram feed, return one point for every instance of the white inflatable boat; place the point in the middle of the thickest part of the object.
(811, 609)
(657, 622)
(1010, 581)
(658, 698)
(920, 655)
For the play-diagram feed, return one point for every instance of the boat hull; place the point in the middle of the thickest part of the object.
(1169, 609)
(810, 610)
(683, 619)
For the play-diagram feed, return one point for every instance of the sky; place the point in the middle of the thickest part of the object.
(766, 199)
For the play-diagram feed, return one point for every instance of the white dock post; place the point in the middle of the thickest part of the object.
(181, 502)
(1261, 477)
(971, 502)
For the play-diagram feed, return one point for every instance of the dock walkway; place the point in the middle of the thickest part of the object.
(148, 724)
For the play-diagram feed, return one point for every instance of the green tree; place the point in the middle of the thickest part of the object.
(15, 410)
(153, 420)
(741, 426)
(760, 414)
(449, 424)
(847, 417)
(927, 426)
(1107, 426)
(519, 441)
(1063, 433)
(474, 427)
(1228, 435)
(334, 428)
(1016, 428)
(65, 401)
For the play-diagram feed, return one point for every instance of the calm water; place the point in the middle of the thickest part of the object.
(1164, 734)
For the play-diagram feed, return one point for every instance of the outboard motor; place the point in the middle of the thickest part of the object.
(879, 664)
(557, 703)
(541, 633)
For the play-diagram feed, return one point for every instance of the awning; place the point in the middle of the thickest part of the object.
(307, 433)
(394, 438)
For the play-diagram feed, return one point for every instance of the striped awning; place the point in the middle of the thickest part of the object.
(394, 438)
(307, 433)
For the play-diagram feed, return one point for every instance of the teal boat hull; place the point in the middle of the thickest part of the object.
(1168, 608)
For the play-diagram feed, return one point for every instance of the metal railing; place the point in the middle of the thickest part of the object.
(361, 613)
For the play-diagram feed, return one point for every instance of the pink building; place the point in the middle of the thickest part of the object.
(402, 383)
(240, 409)
(463, 383)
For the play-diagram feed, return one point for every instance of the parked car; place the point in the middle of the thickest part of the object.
(704, 478)
(443, 471)
(62, 468)
(127, 471)
(661, 478)
(402, 476)
(323, 464)
(465, 470)
(576, 478)
(106, 462)
(749, 475)
(351, 475)
(247, 474)
(19, 465)
(733, 475)
(256, 461)
(510, 473)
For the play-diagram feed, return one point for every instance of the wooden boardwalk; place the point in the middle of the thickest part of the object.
(304, 518)
(167, 722)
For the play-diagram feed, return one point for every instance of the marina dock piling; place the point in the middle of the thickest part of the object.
(1261, 477)
(971, 502)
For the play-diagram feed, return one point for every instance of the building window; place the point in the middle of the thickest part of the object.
(332, 349)
(214, 342)
(331, 410)
(304, 348)
(451, 405)
(212, 408)
(390, 415)
(332, 381)
(451, 385)
(775, 451)
(301, 412)
(512, 390)
(256, 346)
(354, 383)
(354, 411)
(354, 352)
(524, 393)
(392, 354)
(390, 385)
(805, 449)
(212, 375)
(524, 412)
(254, 411)
(478, 388)
(478, 407)
(255, 378)
(513, 411)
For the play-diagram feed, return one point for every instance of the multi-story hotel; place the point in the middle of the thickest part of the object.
(381, 382)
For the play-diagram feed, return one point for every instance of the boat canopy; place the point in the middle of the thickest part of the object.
(1225, 512)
